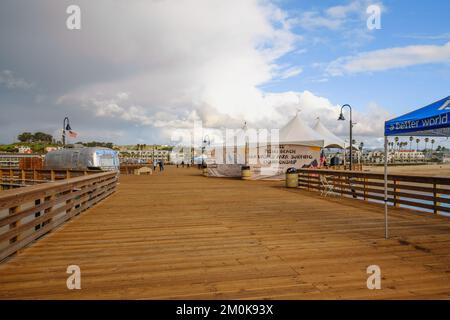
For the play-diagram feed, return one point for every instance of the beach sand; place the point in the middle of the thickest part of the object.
(434, 170)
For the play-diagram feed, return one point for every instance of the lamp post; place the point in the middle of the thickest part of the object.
(66, 126)
(341, 117)
(361, 146)
(206, 142)
(246, 147)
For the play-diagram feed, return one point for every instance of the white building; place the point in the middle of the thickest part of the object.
(25, 149)
(148, 156)
(395, 156)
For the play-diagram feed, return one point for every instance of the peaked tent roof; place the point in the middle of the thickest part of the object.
(331, 140)
(296, 131)
(432, 120)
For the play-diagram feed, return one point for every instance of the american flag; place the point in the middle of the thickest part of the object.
(322, 158)
(72, 134)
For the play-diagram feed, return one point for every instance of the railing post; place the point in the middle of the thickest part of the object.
(309, 181)
(395, 193)
(435, 196)
(365, 187)
(48, 198)
(13, 210)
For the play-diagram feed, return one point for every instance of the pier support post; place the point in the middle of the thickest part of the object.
(386, 233)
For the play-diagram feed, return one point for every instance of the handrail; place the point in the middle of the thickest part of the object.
(28, 213)
(424, 193)
(11, 177)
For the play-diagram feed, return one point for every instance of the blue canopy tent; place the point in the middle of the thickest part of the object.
(431, 121)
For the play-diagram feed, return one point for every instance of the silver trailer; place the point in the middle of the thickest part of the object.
(84, 158)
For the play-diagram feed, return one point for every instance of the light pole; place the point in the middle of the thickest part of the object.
(246, 147)
(361, 146)
(341, 117)
(206, 142)
(65, 127)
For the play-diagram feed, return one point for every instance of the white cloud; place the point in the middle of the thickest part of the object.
(342, 11)
(168, 63)
(290, 72)
(10, 81)
(390, 58)
(442, 36)
(313, 20)
(338, 17)
(209, 60)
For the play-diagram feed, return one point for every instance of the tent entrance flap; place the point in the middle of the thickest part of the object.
(431, 120)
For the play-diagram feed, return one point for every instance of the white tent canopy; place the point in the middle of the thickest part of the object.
(330, 139)
(298, 132)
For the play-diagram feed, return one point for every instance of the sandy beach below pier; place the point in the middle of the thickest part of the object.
(434, 170)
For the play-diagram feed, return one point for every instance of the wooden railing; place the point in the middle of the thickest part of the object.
(30, 212)
(13, 178)
(355, 167)
(430, 194)
(130, 167)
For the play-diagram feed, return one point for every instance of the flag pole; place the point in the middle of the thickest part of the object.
(386, 233)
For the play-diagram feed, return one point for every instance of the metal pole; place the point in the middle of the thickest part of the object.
(351, 139)
(341, 117)
(345, 155)
(386, 232)
(64, 131)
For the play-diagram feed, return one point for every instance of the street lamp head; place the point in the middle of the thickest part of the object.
(341, 116)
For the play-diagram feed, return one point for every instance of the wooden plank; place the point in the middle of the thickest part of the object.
(178, 235)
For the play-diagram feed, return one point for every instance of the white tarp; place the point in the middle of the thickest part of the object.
(224, 170)
(298, 132)
(299, 146)
(273, 164)
(330, 139)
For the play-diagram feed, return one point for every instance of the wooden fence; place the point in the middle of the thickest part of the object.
(355, 167)
(30, 212)
(14, 178)
(431, 194)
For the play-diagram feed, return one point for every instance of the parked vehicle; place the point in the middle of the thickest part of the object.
(84, 158)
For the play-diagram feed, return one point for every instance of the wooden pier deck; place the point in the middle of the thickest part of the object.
(178, 235)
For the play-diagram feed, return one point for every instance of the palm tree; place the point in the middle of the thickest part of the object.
(417, 141)
(410, 143)
(426, 142)
(396, 140)
(432, 143)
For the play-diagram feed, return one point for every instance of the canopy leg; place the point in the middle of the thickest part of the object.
(386, 231)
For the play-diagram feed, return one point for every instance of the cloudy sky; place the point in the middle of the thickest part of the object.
(139, 69)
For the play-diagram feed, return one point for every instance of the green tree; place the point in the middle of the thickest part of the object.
(42, 137)
(25, 137)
